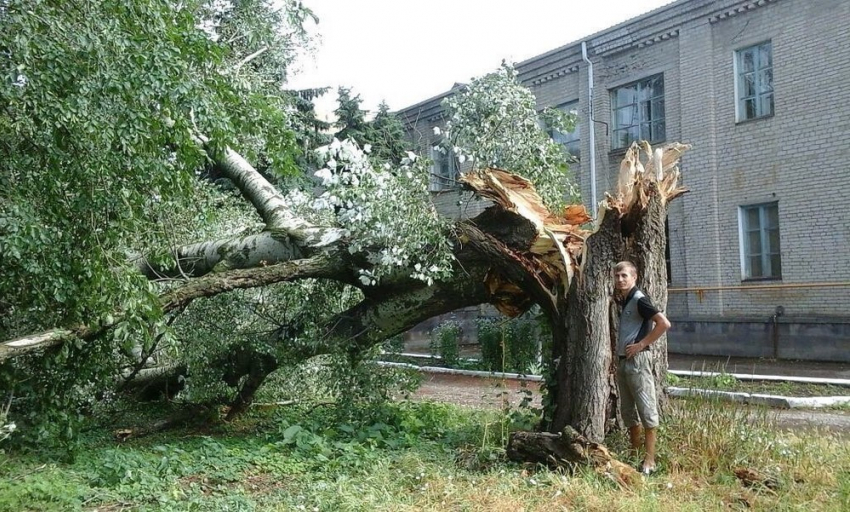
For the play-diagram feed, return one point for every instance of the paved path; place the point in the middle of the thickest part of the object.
(490, 392)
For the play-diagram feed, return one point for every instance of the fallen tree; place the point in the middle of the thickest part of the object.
(105, 211)
(513, 255)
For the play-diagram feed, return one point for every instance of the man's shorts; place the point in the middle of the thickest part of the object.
(637, 391)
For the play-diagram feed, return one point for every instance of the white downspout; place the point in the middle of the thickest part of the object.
(591, 129)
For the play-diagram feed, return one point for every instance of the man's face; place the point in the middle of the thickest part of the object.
(624, 279)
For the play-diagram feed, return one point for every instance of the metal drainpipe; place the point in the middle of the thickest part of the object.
(591, 130)
(778, 312)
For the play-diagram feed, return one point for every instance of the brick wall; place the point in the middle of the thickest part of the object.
(799, 157)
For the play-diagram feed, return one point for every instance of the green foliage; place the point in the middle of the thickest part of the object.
(722, 380)
(671, 379)
(278, 321)
(711, 434)
(389, 140)
(351, 119)
(490, 334)
(386, 214)
(359, 386)
(310, 132)
(199, 472)
(510, 345)
(493, 122)
(394, 345)
(100, 101)
(445, 342)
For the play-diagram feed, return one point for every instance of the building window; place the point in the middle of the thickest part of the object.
(754, 76)
(571, 141)
(638, 112)
(760, 256)
(443, 170)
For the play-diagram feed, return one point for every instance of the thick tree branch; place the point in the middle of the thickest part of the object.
(286, 237)
(249, 58)
(378, 318)
(199, 259)
(270, 203)
(325, 266)
(40, 341)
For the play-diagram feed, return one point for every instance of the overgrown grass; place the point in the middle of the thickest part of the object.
(423, 456)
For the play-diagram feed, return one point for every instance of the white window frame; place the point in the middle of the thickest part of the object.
(637, 120)
(570, 141)
(768, 272)
(438, 182)
(763, 95)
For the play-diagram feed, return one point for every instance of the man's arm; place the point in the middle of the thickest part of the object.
(661, 326)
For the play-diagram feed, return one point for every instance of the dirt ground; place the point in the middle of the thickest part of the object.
(491, 392)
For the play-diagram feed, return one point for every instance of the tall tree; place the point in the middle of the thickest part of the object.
(350, 118)
(389, 141)
(384, 135)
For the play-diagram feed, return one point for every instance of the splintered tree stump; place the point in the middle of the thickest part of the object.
(569, 449)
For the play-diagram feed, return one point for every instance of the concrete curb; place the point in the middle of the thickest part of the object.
(468, 373)
(755, 376)
(775, 401)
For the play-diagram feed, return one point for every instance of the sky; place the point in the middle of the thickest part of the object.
(406, 51)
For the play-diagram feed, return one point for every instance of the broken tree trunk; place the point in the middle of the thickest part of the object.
(568, 449)
(568, 272)
(322, 266)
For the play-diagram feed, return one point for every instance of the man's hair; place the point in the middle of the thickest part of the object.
(625, 265)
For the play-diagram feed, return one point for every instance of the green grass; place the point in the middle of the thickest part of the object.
(420, 456)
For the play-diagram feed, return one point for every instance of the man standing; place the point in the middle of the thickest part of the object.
(641, 324)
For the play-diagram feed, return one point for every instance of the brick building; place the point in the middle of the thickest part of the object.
(760, 247)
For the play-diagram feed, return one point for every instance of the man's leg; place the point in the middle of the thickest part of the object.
(649, 444)
(628, 410)
(647, 406)
(635, 438)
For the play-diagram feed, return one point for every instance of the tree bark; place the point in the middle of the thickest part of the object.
(254, 367)
(154, 383)
(583, 318)
(582, 341)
